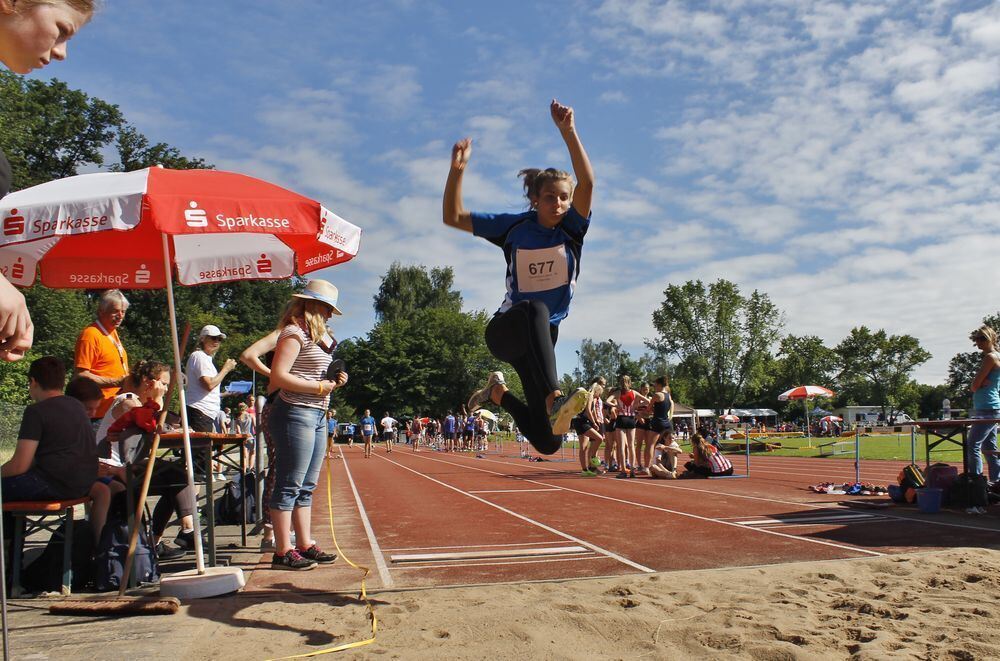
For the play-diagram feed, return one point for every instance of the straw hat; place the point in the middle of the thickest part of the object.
(322, 291)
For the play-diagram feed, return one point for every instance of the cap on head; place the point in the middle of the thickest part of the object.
(211, 330)
(322, 291)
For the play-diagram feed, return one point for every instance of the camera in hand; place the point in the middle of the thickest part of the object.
(336, 368)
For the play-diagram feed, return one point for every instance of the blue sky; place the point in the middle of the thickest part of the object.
(842, 157)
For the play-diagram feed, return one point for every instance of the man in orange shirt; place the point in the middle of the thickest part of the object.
(100, 355)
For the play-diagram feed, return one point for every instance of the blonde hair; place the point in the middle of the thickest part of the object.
(535, 179)
(83, 6)
(986, 332)
(306, 312)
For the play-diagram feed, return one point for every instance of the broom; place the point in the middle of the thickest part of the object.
(122, 604)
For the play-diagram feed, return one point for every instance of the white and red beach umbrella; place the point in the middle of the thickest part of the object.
(831, 418)
(805, 392)
(222, 226)
(729, 417)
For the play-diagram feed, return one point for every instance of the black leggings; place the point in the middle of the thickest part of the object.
(169, 482)
(523, 337)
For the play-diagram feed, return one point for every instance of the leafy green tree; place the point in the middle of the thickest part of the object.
(135, 153)
(721, 338)
(962, 370)
(877, 365)
(49, 131)
(406, 290)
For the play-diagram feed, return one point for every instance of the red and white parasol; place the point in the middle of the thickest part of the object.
(831, 418)
(729, 417)
(805, 392)
(223, 226)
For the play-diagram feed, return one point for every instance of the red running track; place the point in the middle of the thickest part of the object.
(504, 508)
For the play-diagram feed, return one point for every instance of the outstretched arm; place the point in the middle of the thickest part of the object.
(455, 214)
(584, 172)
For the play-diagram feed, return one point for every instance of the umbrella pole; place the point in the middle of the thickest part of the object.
(809, 440)
(199, 557)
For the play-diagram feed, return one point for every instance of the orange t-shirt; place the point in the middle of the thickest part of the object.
(101, 355)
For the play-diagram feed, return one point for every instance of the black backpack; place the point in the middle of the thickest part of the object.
(44, 574)
(112, 551)
(968, 490)
(229, 508)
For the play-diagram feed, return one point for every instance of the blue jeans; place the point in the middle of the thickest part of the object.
(27, 486)
(299, 435)
(982, 439)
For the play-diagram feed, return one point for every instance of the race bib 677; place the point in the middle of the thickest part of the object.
(542, 269)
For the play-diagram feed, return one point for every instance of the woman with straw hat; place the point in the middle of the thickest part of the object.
(298, 420)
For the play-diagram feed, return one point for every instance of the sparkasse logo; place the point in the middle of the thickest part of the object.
(13, 224)
(195, 217)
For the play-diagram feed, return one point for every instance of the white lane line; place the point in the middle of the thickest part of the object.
(623, 560)
(805, 520)
(670, 511)
(489, 554)
(468, 546)
(514, 490)
(383, 570)
(589, 556)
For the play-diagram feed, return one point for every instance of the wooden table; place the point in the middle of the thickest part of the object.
(946, 430)
(214, 446)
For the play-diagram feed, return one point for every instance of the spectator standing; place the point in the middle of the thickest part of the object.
(985, 405)
(202, 391)
(99, 354)
(298, 424)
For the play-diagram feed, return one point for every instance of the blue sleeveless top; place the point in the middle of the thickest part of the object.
(988, 395)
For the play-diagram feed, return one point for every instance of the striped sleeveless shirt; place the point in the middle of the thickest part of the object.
(310, 364)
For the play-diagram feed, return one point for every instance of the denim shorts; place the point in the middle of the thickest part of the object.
(28, 486)
(299, 435)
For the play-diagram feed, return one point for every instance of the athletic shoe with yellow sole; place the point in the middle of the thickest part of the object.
(481, 396)
(562, 416)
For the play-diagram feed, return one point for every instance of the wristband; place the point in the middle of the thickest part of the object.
(319, 387)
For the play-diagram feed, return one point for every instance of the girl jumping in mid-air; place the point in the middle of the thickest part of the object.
(542, 247)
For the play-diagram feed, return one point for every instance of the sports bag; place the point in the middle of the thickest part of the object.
(968, 490)
(112, 551)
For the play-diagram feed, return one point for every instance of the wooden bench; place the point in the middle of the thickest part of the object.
(31, 516)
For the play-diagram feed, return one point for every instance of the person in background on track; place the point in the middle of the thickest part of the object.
(416, 432)
(469, 431)
(664, 463)
(331, 432)
(588, 430)
(626, 402)
(706, 461)
(367, 424)
(448, 428)
(542, 248)
(661, 430)
(645, 439)
(611, 457)
(388, 425)
(985, 405)
(32, 34)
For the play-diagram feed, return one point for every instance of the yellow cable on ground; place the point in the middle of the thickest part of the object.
(364, 592)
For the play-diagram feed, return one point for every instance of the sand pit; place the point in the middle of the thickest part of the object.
(930, 605)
